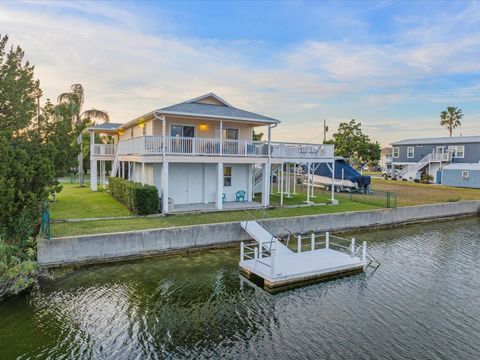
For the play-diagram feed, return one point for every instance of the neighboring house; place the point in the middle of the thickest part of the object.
(461, 175)
(386, 158)
(199, 152)
(430, 155)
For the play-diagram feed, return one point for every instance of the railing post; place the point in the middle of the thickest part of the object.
(255, 255)
(242, 251)
(352, 246)
(272, 264)
(299, 244)
(260, 251)
(313, 241)
(327, 240)
(364, 251)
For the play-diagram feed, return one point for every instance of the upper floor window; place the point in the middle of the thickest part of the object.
(410, 152)
(465, 175)
(396, 152)
(457, 151)
(182, 131)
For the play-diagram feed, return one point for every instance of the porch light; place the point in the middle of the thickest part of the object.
(203, 127)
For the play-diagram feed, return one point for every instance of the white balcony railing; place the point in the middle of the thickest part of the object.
(153, 145)
(104, 149)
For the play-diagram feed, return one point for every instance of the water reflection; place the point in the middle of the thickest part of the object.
(421, 303)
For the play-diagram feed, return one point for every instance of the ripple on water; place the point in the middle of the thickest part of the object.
(421, 303)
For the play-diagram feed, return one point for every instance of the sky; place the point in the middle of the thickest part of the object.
(391, 65)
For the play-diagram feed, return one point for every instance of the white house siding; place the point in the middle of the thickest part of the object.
(239, 180)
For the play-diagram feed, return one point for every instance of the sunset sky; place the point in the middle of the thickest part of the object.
(391, 65)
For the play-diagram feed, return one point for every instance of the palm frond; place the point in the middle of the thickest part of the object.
(94, 114)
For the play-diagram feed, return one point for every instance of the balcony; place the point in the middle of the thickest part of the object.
(153, 145)
(107, 150)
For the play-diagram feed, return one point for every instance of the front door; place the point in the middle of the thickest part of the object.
(440, 149)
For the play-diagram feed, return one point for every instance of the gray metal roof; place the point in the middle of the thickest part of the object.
(462, 166)
(198, 109)
(439, 140)
(106, 126)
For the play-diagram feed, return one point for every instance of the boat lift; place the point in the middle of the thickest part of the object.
(277, 265)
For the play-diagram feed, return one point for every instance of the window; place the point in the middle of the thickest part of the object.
(457, 151)
(227, 176)
(465, 175)
(410, 152)
(231, 134)
(419, 145)
(182, 131)
(396, 152)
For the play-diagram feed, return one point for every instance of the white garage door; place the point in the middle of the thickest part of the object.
(186, 183)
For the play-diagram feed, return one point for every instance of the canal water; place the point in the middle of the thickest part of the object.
(422, 303)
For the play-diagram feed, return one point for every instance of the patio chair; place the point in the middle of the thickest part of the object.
(224, 198)
(240, 196)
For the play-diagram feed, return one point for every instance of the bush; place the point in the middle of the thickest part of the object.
(141, 199)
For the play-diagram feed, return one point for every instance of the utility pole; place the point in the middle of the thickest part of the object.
(325, 130)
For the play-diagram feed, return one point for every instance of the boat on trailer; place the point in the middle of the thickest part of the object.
(277, 265)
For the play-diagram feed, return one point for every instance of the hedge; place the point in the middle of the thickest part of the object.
(141, 199)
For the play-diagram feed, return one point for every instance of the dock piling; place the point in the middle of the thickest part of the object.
(364, 251)
(327, 240)
(242, 251)
(299, 244)
(352, 247)
(313, 241)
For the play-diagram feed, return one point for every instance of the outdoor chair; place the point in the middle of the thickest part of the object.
(240, 196)
(224, 198)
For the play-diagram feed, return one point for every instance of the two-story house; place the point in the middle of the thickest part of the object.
(199, 154)
(412, 157)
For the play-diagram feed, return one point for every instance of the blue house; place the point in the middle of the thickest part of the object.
(461, 175)
(412, 157)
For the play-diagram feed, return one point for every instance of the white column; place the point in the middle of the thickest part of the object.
(294, 178)
(221, 137)
(205, 199)
(250, 169)
(308, 183)
(123, 169)
(266, 185)
(219, 201)
(143, 172)
(281, 186)
(164, 136)
(333, 181)
(129, 171)
(164, 187)
(93, 175)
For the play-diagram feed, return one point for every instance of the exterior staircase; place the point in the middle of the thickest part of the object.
(411, 170)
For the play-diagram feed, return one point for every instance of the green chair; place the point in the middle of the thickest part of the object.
(240, 196)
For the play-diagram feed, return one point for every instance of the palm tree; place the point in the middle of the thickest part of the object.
(451, 118)
(76, 97)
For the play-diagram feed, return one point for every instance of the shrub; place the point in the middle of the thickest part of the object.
(141, 199)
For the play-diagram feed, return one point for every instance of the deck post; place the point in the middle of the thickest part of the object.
(93, 175)
(327, 240)
(313, 241)
(281, 186)
(299, 244)
(266, 185)
(364, 251)
(164, 187)
(333, 181)
(260, 251)
(352, 246)
(294, 177)
(219, 201)
(242, 251)
(143, 173)
(308, 183)
(272, 264)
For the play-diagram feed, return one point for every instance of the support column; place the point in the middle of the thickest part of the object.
(333, 182)
(219, 201)
(308, 183)
(266, 185)
(93, 175)
(164, 186)
(143, 173)
(251, 168)
(294, 178)
(129, 171)
(281, 186)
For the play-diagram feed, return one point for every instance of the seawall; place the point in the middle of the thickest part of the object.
(132, 244)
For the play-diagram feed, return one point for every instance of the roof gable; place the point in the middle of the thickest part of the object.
(210, 99)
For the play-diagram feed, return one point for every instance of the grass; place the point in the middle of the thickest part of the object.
(75, 202)
(107, 226)
(410, 193)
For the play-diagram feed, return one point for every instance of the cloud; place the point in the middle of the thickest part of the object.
(129, 71)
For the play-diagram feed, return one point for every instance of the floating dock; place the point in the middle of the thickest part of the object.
(276, 266)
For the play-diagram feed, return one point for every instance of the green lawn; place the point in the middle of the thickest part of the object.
(75, 202)
(107, 226)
